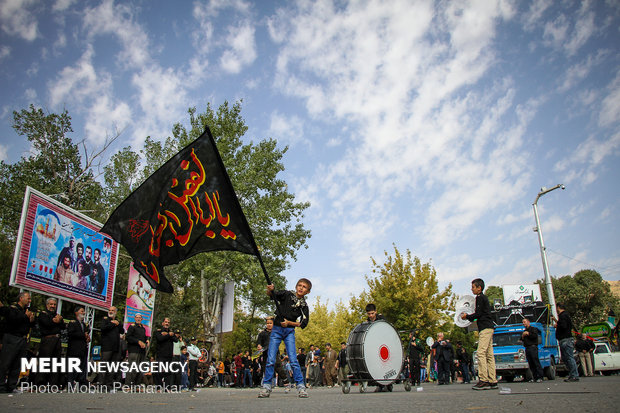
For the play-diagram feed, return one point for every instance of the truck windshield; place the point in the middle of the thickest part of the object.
(507, 339)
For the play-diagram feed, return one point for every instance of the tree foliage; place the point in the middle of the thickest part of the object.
(327, 326)
(587, 297)
(407, 292)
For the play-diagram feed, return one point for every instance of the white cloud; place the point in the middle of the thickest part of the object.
(610, 107)
(419, 123)
(5, 51)
(4, 153)
(30, 94)
(62, 5)
(106, 118)
(108, 18)
(570, 36)
(78, 82)
(287, 129)
(17, 20)
(583, 164)
(163, 100)
(241, 48)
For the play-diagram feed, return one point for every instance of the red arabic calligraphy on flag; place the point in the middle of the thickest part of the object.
(186, 207)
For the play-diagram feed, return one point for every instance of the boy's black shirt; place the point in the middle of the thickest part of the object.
(263, 339)
(482, 315)
(292, 308)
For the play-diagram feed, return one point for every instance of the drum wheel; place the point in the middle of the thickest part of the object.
(346, 387)
(407, 385)
(363, 387)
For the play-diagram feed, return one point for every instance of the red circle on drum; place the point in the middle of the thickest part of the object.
(384, 352)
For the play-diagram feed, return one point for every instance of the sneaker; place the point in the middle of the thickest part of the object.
(572, 379)
(482, 386)
(303, 394)
(539, 380)
(264, 393)
(493, 385)
(480, 383)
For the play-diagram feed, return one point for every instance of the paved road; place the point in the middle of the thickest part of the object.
(596, 394)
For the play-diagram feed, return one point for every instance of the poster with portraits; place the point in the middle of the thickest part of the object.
(61, 252)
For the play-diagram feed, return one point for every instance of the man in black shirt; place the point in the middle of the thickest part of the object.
(77, 345)
(444, 355)
(415, 351)
(585, 347)
(530, 342)
(137, 342)
(564, 334)
(111, 330)
(486, 359)
(464, 360)
(18, 319)
(165, 339)
(51, 325)
(342, 365)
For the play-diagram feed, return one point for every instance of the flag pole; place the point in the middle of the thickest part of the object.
(262, 265)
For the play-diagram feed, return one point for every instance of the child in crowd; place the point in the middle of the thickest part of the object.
(292, 311)
(185, 372)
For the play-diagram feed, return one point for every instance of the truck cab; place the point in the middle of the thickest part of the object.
(606, 360)
(510, 360)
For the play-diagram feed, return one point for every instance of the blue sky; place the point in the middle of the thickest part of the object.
(428, 125)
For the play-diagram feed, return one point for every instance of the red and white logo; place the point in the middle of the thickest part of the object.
(384, 353)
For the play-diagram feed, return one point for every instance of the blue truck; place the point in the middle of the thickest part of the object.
(510, 361)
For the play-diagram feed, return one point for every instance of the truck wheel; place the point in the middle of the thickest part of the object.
(550, 370)
(508, 377)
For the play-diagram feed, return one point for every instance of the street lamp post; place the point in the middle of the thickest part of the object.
(543, 249)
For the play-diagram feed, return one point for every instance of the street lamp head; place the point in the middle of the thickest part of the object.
(562, 186)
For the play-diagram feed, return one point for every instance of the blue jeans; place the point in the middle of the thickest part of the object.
(279, 334)
(566, 348)
(465, 371)
(247, 378)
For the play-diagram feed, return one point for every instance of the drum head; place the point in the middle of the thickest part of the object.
(383, 352)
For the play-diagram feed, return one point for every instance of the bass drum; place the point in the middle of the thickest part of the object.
(374, 352)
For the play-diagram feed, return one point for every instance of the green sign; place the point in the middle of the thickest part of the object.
(597, 330)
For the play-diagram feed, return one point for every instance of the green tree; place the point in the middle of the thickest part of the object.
(56, 166)
(493, 293)
(407, 292)
(586, 295)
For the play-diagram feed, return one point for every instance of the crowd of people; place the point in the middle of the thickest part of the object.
(263, 367)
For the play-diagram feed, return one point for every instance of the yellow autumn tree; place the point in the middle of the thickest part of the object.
(406, 291)
(326, 326)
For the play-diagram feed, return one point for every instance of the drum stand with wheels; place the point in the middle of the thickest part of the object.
(363, 385)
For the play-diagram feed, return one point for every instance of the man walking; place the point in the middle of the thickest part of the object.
(564, 335)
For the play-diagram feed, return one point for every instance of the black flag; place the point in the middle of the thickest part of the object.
(187, 206)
